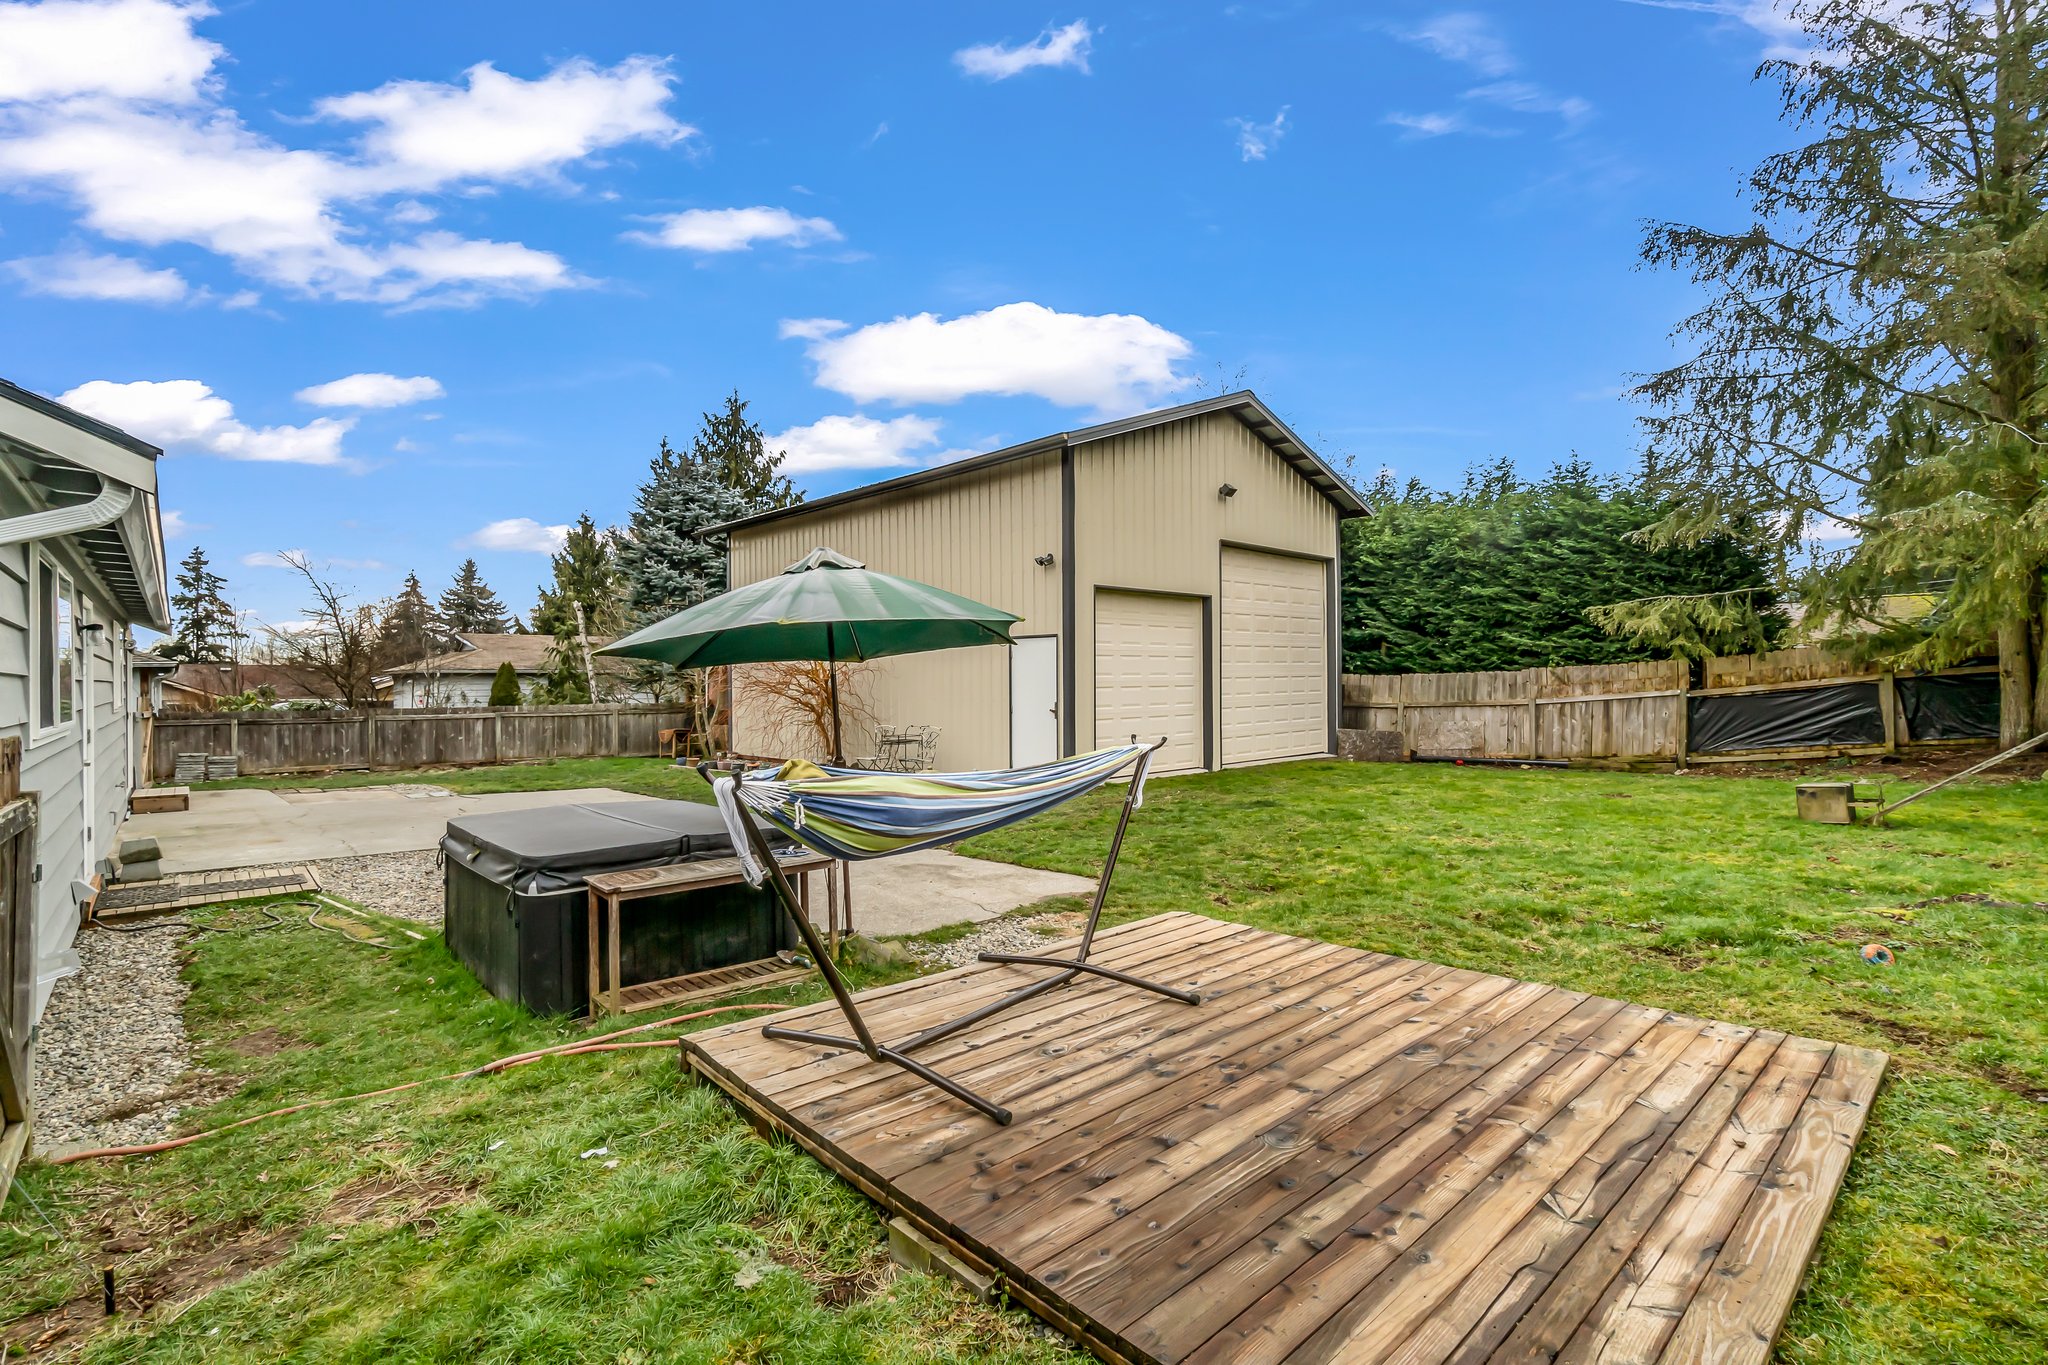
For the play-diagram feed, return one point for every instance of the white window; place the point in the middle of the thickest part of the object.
(56, 664)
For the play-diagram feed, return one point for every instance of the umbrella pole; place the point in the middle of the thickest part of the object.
(832, 690)
(839, 880)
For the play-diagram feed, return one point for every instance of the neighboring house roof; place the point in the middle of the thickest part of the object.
(148, 661)
(90, 485)
(483, 653)
(1244, 405)
(231, 679)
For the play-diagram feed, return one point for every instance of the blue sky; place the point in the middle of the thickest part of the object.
(532, 239)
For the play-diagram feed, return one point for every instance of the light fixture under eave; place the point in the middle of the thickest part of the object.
(1044, 561)
(1229, 490)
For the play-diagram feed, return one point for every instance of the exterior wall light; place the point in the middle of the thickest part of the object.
(1229, 490)
(1043, 561)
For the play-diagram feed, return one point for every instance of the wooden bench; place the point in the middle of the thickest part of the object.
(155, 800)
(611, 890)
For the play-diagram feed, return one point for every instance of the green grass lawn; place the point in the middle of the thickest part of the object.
(460, 1223)
(646, 776)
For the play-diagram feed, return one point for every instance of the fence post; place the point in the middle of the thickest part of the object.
(368, 726)
(615, 730)
(1681, 721)
(1888, 702)
(497, 735)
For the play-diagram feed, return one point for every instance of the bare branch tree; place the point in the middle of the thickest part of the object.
(337, 641)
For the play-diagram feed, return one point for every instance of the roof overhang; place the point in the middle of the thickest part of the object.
(1244, 405)
(90, 486)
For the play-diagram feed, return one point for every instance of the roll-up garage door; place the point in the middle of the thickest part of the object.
(1148, 674)
(1276, 657)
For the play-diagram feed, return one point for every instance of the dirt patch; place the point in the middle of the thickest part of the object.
(1908, 767)
(836, 1289)
(1898, 1031)
(264, 1042)
(163, 1263)
(386, 1201)
(172, 1286)
(2005, 1078)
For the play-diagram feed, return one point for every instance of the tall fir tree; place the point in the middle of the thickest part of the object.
(733, 451)
(585, 570)
(1872, 354)
(469, 607)
(207, 627)
(412, 628)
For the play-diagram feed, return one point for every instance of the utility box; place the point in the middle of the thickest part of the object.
(518, 912)
(1827, 803)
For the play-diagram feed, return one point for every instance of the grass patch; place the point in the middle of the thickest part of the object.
(459, 1222)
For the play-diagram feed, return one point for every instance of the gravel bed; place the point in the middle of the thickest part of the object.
(112, 1067)
(406, 885)
(1004, 934)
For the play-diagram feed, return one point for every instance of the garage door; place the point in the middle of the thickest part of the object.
(1276, 652)
(1148, 674)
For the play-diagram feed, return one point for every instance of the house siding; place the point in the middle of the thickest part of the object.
(976, 535)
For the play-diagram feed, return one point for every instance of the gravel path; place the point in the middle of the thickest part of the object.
(1007, 934)
(407, 885)
(112, 1066)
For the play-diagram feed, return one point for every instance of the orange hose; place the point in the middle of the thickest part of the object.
(600, 1043)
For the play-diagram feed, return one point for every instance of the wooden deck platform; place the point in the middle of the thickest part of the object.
(1338, 1155)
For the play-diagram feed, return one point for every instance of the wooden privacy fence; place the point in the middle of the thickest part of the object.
(1619, 711)
(286, 742)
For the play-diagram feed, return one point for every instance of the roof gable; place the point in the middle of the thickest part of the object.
(1244, 405)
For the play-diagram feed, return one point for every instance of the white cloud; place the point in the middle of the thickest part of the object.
(519, 533)
(405, 445)
(1109, 361)
(163, 160)
(1784, 39)
(292, 559)
(186, 415)
(716, 230)
(1524, 98)
(808, 329)
(855, 443)
(372, 391)
(1469, 39)
(116, 49)
(84, 275)
(425, 134)
(1066, 46)
(1255, 139)
(177, 525)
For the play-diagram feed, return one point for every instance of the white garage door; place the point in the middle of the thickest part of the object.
(1148, 675)
(1276, 653)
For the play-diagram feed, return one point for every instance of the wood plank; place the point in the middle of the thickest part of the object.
(1636, 1315)
(1526, 1262)
(1740, 1305)
(1267, 1258)
(1342, 1156)
(1564, 1111)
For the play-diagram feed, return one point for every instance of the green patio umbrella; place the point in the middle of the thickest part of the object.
(824, 607)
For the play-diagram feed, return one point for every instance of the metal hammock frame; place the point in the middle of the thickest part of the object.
(898, 1053)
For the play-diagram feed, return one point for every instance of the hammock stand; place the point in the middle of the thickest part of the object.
(898, 1054)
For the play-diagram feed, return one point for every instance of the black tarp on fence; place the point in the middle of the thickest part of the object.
(1950, 708)
(1806, 717)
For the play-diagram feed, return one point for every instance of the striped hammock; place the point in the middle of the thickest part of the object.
(852, 813)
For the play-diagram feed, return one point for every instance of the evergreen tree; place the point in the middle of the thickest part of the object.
(469, 607)
(585, 570)
(505, 686)
(665, 566)
(206, 625)
(412, 629)
(1873, 352)
(1502, 574)
(733, 451)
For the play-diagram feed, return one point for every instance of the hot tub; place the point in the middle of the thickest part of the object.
(517, 911)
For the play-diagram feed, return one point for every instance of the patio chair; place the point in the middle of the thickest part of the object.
(888, 738)
(922, 755)
(851, 813)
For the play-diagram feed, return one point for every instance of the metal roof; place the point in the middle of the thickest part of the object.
(1244, 405)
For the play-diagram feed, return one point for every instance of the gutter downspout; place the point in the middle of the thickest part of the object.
(110, 506)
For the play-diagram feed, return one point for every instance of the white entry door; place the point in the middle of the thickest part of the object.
(1034, 700)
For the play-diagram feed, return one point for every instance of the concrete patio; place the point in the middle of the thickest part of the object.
(251, 827)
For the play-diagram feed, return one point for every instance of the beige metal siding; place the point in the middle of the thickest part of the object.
(1149, 515)
(1148, 675)
(1275, 692)
(976, 535)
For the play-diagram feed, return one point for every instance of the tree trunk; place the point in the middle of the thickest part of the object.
(2016, 700)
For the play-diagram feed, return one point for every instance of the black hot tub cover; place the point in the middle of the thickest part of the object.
(553, 848)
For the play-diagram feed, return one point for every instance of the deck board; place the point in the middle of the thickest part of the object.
(1339, 1155)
